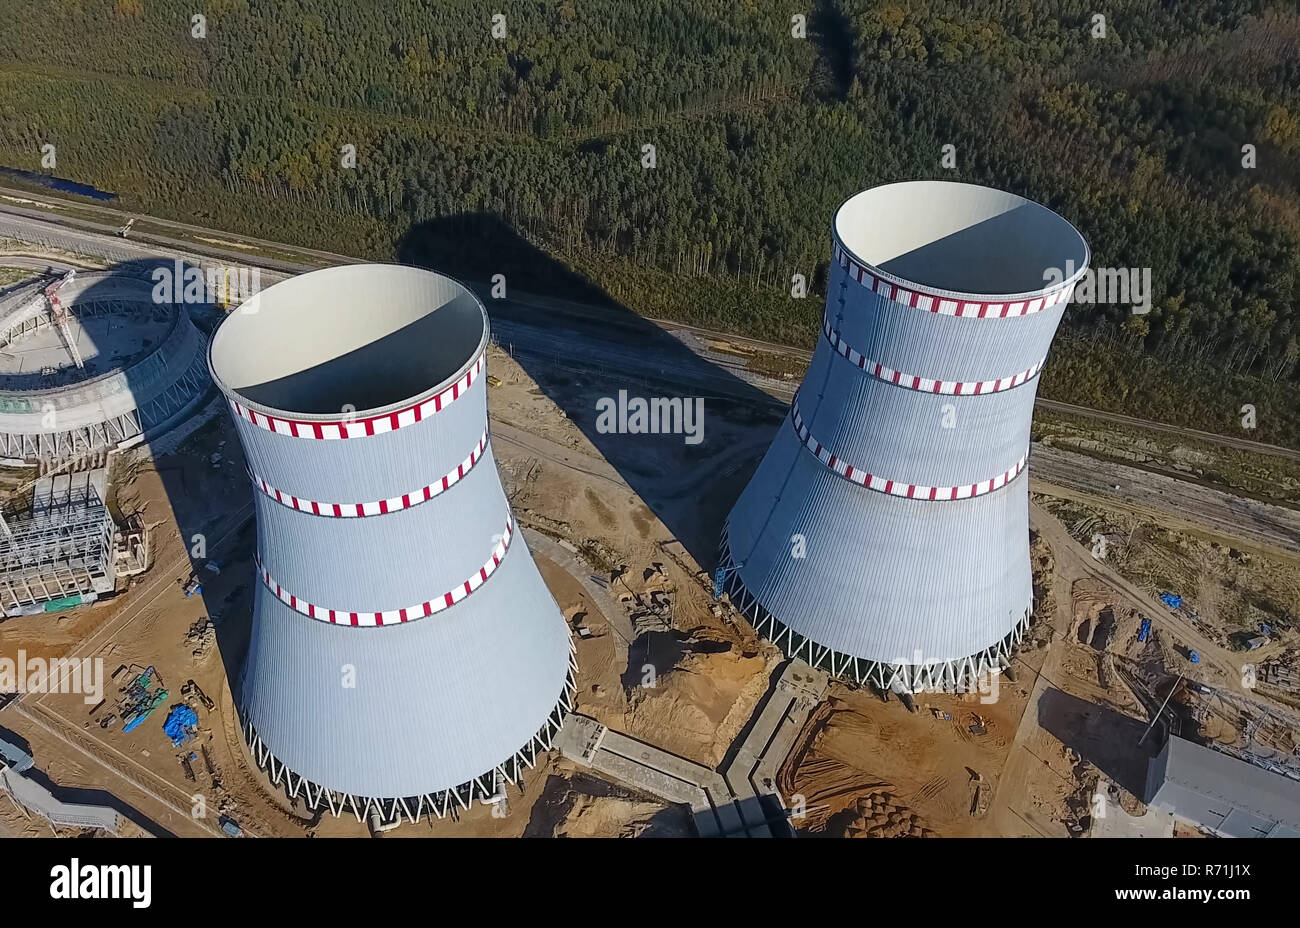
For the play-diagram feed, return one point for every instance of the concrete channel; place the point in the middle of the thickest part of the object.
(740, 800)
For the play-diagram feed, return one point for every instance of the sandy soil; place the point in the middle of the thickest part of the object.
(707, 673)
(864, 757)
(668, 666)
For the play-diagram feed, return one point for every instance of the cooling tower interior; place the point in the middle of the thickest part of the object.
(405, 654)
(884, 536)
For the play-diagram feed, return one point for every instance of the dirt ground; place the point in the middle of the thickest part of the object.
(1229, 593)
(685, 678)
(862, 760)
(1060, 743)
(658, 660)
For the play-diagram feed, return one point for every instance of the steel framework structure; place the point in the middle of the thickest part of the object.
(70, 415)
(486, 787)
(62, 550)
(946, 676)
(51, 447)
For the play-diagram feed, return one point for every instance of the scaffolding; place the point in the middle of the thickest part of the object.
(61, 548)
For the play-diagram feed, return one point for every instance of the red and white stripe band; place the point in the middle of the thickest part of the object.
(924, 384)
(947, 305)
(359, 427)
(378, 507)
(895, 487)
(394, 616)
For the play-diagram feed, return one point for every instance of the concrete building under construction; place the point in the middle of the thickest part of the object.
(92, 362)
(61, 547)
(885, 534)
(406, 657)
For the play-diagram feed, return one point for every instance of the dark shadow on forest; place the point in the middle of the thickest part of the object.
(831, 33)
(566, 350)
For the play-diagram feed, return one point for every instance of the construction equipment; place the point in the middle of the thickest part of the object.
(139, 700)
(136, 719)
(230, 826)
(192, 689)
(122, 232)
(180, 725)
(59, 316)
(193, 586)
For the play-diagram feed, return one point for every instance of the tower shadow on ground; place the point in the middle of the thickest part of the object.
(566, 349)
(211, 506)
(1105, 738)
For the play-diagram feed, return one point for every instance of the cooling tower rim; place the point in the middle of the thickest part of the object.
(915, 190)
(227, 342)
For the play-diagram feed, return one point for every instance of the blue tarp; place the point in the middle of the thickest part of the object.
(1170, 600)
(1144, 632)
(179, 722)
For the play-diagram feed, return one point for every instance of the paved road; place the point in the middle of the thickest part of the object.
(1174, 502)
(99, 238)
(584, 340)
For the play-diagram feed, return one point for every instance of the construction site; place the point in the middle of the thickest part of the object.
(667, 706)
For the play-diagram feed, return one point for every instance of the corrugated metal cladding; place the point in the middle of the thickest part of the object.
(437, 701)
(1229, 796)
(937, 346)
(882, 576)
(921, 438)
(885, 578)
(406, 708)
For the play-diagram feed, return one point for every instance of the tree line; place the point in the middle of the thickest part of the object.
(1169, 134)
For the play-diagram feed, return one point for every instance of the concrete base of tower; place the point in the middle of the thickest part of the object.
(487, 788)
(976, 673)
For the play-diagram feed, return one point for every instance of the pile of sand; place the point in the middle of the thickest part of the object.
(697, 707)
(607, 816)
(879, 815)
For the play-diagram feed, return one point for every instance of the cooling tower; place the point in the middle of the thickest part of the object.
(885, 534)
(405, 653)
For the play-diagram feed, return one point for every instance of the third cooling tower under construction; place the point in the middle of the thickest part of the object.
(405, 653)
(885, 534)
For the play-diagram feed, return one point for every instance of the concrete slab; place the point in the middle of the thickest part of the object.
(741, 801)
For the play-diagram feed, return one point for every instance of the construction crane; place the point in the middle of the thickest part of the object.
(59, 315)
